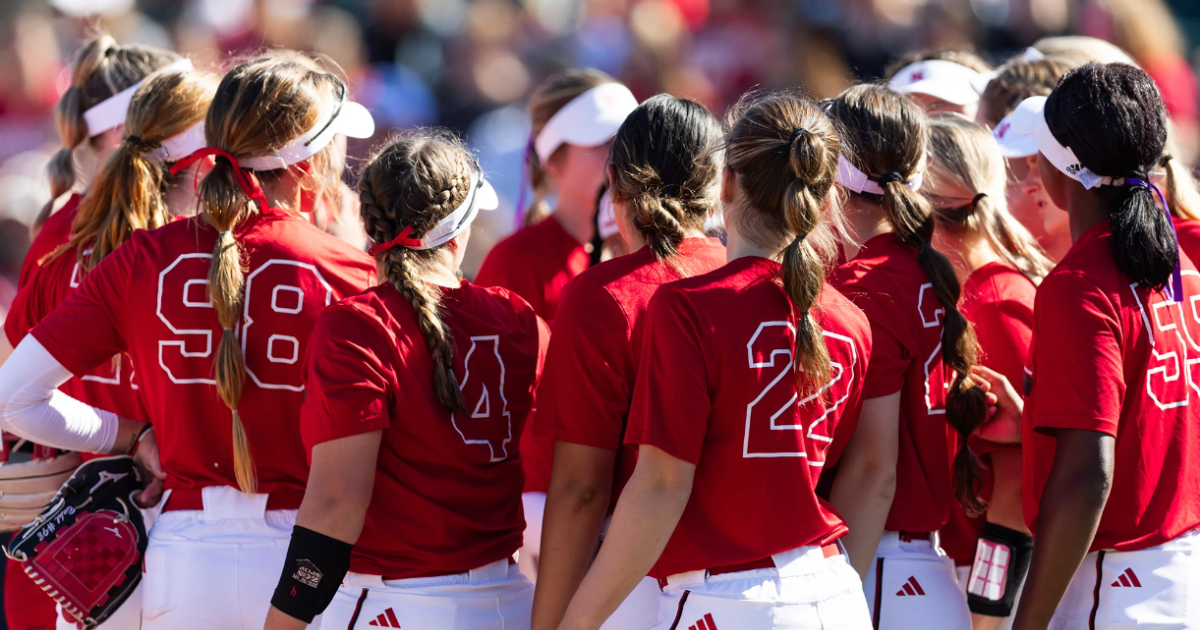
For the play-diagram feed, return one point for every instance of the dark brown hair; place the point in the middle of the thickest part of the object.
(552, 95)
(259, 107)
(887, 137)
(1016, 81)
(784, 152)
(128, 192)
(667, 163)
(101, 69)
(414, 182)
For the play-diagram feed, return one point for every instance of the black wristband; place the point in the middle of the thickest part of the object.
(312, 573)
(1001, 562)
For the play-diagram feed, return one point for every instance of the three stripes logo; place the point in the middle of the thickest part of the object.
(706, 623)
(911, 588)
(386, 619)
(1128, 579)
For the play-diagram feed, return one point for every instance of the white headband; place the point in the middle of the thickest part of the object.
(347, 118)
(853, 179)
(482, 197)
(181, 144)
(110, 113)
(590, 119)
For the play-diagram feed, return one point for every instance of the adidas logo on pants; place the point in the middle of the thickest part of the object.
(912, 586)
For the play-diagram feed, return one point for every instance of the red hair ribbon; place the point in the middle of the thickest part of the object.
(401, 239)
(248, 184)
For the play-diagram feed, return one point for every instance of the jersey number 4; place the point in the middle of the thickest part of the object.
(776, 418)
(487, 422)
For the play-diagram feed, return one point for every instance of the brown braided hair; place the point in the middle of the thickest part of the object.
(413, 182)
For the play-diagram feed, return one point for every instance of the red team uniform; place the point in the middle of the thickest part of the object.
(998, 301)
(1111, 357)
(447, 495)
(887, 282)
(1188, 231)
(591, 368)
(716, 388)
(149, 299)
(55, 231)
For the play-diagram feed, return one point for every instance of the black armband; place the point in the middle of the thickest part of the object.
(1001, 560)
(312, 573)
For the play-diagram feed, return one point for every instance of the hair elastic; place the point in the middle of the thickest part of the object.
(796, 133)
(889, 177)
(977, 198)
(133, 139)
(1176, 288)
(857, 181)
(248, 184)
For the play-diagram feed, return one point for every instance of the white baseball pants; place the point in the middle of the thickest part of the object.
(805, 591)
(531, 551)
(216, 567)
(1156, 588)
(913, 586)
(495, 596)
(639, 611)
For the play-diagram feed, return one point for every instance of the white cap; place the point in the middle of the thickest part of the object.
(1062, 157)
(946, 80)
(606, 218)
(1015, 131)
(110, 113)
(182, 144)
(346, 118)
(589, 120)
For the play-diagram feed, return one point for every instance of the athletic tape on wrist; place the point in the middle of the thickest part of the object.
(312, 573)
(1002, 558)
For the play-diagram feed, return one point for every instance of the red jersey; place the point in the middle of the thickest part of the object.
(716, 387)
(1107, 356)
(592, 364)
(149, 299)
(998, 300)
(888, 284)
(111, 385)
(55, 231)
(447, 494)
(1189, 237)
(536, 263)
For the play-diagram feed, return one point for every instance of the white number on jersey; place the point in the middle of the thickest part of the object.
(488, 423)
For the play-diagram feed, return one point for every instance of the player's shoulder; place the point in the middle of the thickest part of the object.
(58, 225)
(883, 265)
(377, 307)
(307, 240)
(501, 302)
(516, 246)
(838, 307)
(998, 282)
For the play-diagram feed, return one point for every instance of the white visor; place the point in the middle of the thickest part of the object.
(606, 218)
(1015, 133)
(589, 120)
(1032, 54)
(351, 120)
(181, 145)
(482, 197)
(1063, 158)
(941, 79)
(857, 181)
(110, 113)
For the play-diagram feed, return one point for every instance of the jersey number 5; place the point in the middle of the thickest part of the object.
(775, 419)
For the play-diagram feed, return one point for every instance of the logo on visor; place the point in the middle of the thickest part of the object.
(1073, 169)
(917, 75)
(1002, 130)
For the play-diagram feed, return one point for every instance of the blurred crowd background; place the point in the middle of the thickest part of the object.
(470, 64)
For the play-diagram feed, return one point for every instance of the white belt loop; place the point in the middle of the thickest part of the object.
(226, 503)
(492, 572)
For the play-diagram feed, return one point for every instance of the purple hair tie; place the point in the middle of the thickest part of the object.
(1176, 288)
(523, 184)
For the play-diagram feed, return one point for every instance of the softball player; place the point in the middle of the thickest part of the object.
(575, 115)
(417, 392)
(1109, 489)
(216, 312)
(1001, 263)
(664, 175)
(918, 393)
(103, 79)
(737, 403)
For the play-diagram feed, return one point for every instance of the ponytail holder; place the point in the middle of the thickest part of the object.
(248, 184)
(1176, 288)
(110, 50)
(1166, 159)
(135, 140)
(796, 133)
(889, 177)
(402, 239)
(977, 198)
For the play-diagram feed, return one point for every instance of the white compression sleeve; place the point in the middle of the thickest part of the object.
(32, 407)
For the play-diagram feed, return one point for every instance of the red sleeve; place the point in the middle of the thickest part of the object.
(25, 311)
(1078, 359)
(585, 395)
(348, 384)
(672, 394)
(510, 272)
(86, 329)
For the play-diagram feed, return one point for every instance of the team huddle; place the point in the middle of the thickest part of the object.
(919, 356)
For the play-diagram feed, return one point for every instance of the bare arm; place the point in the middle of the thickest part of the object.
(647, 513)
(1069, 513)
(580, 489)
(335, 502)
(866, 479)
